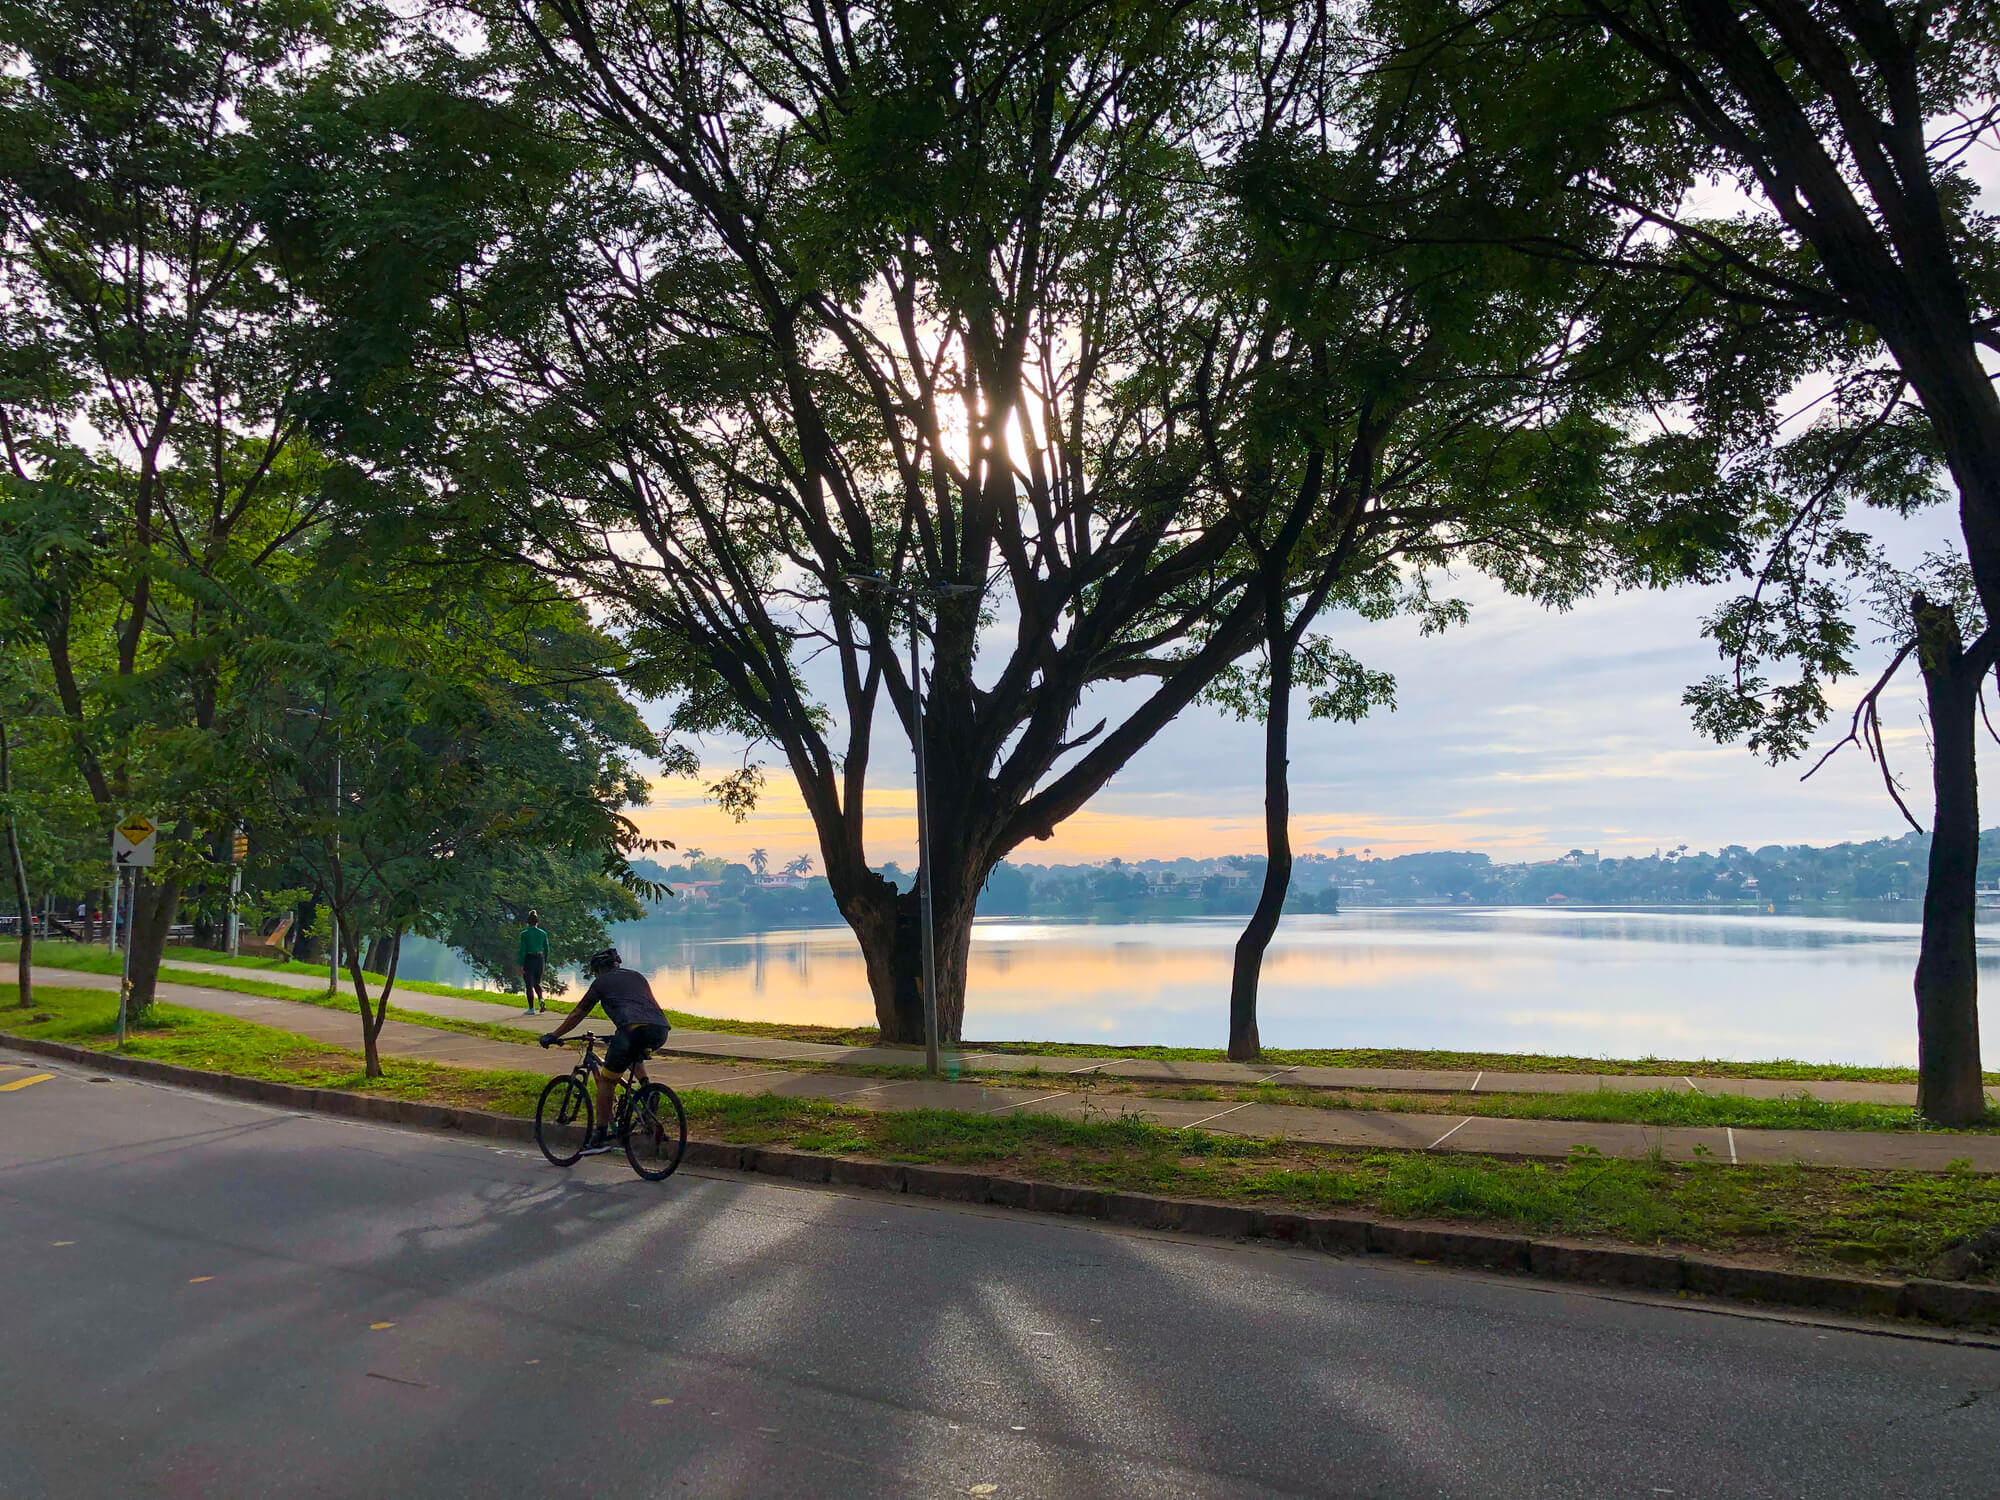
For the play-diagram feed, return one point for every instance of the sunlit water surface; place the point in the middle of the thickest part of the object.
(1588, 982)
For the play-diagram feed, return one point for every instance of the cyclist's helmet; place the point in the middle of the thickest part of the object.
(602, 959)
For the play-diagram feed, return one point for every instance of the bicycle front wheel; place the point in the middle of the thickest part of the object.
(563, 1120)
(659, 1135)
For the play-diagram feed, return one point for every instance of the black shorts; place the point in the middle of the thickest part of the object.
(632, 1044)
(531, 968)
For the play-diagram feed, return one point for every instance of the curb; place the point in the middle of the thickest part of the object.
(1952, 1304)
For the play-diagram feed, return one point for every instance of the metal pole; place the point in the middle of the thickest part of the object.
(117, 885)
(924, 859)
(125, 977)
(333, 921)
(235, 895)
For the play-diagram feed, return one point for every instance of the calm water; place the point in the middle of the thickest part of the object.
(1611, 983)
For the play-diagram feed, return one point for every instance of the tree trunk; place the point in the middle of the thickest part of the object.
(1950, 1090)
(153, 911)
(1244, 1044)
(373, 1013)
(23, 902)
(890, 933)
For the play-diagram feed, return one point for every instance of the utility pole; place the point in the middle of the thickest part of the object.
(924, 858)
(912, 596)
(125, 971)
(332, 917)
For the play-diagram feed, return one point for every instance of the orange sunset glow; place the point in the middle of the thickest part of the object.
(1137, 827)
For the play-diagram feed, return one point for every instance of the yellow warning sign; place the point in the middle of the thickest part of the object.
(132, 843)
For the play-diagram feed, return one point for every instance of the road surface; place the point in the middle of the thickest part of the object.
(218, 1299)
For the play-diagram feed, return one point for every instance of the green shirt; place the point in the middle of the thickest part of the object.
(533, 940)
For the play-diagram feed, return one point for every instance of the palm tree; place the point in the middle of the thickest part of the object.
(801, 867)
(760, 861)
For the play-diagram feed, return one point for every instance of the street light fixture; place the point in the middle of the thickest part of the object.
(911, 595)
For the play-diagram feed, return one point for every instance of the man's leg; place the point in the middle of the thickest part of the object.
(606, 1082)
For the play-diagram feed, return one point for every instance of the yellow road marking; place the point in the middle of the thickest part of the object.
(663, 1401)
(21, 1083)
(65, 1242)
(381, 1325)
(193, 1279)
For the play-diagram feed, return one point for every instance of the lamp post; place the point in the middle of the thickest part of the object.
(332, 917)
(911, 595)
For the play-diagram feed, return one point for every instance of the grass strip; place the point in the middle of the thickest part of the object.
(1812, 1217)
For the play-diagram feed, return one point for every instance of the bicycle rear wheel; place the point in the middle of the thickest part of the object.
(563, 1120)
(658, 1138)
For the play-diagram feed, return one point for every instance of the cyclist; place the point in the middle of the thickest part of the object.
(641, 1030)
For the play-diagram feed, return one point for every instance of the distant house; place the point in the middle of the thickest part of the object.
(697, 891)
(1557, 898)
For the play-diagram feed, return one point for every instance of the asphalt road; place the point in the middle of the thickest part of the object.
(216, 1299)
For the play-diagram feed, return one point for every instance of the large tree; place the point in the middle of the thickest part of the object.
(1420, 390)
(430, 738)
(154, 361)
(851, 314)
(1859, 280)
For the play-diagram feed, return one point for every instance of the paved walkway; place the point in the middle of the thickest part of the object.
(1367, 1129)
(1143, 1069)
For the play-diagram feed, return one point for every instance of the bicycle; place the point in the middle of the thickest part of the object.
(648, 1119)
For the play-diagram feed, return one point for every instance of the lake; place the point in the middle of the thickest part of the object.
(1624, 983)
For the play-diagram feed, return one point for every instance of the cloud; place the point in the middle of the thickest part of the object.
(1522, 734)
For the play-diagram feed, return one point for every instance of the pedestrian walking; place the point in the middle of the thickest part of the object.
(534, 958)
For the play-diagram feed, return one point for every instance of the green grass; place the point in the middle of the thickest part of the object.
(1473, 1062)
(1881, 1221)
(223, 1044)
(1611, 1106)
(1890, 1222)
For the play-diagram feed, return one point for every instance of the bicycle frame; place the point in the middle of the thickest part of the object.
(627, 1085)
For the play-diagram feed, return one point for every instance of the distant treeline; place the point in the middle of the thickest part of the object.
(1889, 869)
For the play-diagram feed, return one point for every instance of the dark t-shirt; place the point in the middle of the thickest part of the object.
(626, 997)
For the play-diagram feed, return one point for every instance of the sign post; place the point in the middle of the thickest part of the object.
(239, 850)
(133, 844)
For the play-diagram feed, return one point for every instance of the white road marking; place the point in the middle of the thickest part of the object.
(1088, 1068)
(1691, 1083)
(1475, 1082)
(1217, 1115)
(1280, 1073)
(1732, 1144)
(1449, 1134)
(1041, 1099)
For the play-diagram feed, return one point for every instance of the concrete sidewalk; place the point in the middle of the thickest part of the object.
(1365, 1129)
(1139, 1069)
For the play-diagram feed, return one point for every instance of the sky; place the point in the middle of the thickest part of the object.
(1522, 734)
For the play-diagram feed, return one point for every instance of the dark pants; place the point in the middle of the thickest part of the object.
(531, 977)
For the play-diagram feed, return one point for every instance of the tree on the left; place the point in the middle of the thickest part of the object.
(154, 352)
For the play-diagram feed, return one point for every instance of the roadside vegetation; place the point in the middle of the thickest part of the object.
(1882, 1222)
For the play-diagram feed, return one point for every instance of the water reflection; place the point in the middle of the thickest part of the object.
(1592, 982)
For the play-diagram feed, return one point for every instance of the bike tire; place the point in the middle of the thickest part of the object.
(563, 1117)
(658, 1138)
